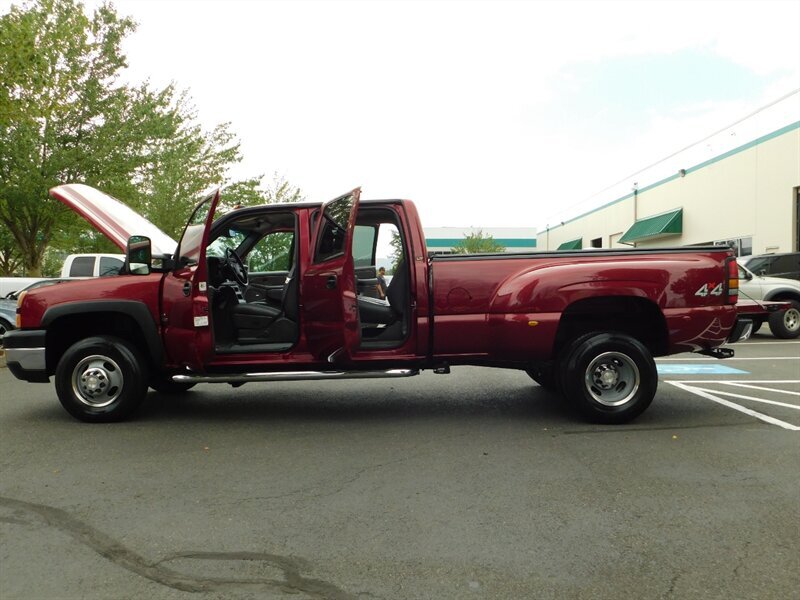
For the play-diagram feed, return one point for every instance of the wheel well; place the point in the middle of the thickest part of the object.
(784, 296)
(637, 317)
(67, 330)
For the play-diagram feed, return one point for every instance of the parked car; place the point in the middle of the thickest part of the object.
(785, 265)
(8, 316)
(8, 305)
(75, 266)
(785, 323)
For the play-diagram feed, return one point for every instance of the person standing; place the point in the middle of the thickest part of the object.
(381, 287)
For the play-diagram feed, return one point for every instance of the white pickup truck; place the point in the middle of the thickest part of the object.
(92, 265)
(75, 265)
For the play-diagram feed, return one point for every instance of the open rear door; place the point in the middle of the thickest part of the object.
(330, 308)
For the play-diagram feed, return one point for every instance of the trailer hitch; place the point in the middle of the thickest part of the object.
(718, 352)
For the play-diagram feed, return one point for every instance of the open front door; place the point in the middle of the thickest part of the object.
(185, 309)
(330, 308)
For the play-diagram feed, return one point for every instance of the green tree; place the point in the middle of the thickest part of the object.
(57, 95)
(10, 259)
(252, 192)
(65, 117)
(478, 243)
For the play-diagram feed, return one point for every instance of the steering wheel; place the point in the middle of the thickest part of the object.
(235, 266)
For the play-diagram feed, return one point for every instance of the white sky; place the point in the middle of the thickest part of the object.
(484, 113)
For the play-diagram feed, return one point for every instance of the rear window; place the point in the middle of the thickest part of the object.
(82, 266)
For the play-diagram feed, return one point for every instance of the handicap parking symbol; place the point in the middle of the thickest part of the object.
(699, 369)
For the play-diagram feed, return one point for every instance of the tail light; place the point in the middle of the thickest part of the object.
(733, 279)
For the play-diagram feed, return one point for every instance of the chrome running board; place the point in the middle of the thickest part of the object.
(293, 376)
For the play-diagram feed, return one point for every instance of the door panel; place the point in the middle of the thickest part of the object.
(266, 287)
(329, 284)
(185, 309)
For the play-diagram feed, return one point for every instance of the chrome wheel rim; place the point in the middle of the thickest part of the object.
(612, 379)
(97, 381)
(791, 319)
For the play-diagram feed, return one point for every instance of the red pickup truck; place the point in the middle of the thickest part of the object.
(286, 292)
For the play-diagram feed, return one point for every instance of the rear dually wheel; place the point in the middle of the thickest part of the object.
(609, 377)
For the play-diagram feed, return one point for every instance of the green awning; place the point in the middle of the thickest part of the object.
(655, 227)
(575, 244)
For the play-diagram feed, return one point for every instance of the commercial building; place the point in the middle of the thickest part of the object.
(746, 194)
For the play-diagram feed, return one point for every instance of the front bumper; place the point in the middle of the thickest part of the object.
(26, 355)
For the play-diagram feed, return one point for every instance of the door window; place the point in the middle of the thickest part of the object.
(363, 245)
(334, 228)
(189, 247)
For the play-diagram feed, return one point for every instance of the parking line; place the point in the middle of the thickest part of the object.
(734, 406)
(756, 387)
(727, 381)
(741, 397)
(752, 342)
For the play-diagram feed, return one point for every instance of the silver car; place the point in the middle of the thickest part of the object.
(8, 305)
(783, 324)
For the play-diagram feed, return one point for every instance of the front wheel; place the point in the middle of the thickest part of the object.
(610, 377)
(785, 324)
(101, 379)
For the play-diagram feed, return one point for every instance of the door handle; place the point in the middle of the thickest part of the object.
(187, 289)
(331, 282)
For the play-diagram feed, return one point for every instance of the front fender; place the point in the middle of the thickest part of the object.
(138, 311)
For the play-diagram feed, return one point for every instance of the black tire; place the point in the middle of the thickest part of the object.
(101, 379)
(609, 377)
(5, 327)
(165, 385)
(785, 324)
(756, 326)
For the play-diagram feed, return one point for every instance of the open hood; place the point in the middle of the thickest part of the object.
(117, 221)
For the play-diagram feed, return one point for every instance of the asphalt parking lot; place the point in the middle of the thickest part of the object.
(478, 484)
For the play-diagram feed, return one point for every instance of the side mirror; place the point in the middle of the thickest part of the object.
(138, 255)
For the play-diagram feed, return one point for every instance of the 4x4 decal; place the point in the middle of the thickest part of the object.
(703, 291)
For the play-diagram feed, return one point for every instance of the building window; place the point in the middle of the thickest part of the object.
(597, 243)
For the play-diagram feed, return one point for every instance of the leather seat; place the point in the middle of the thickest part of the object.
(254, 316)
(254, 320)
